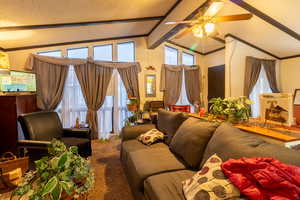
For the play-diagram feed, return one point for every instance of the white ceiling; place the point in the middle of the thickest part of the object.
(256, 31)
(40, 12)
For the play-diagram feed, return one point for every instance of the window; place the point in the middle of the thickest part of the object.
(56, 53)
(126, 52)
(171, 56)
(262, 86)
(103, 52)
(187, 59)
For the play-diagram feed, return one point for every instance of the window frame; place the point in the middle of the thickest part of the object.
(194, 57)
(108, 44)
(178, 54)
(50, 51)
(84, 47)
(134, 50)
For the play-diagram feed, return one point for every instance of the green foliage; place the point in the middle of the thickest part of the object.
(64, 171)
(132, 101)
(231, 109)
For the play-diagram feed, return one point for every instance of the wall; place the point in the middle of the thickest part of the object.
(146, 57)
(290, 71)
(235, 57)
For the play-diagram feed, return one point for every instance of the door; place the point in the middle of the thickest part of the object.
(216, 82)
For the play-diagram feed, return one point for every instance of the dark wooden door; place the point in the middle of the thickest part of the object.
(216, 82)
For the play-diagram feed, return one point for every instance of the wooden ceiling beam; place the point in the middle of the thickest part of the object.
(77, 24)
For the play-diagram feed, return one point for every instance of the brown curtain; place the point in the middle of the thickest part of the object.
(192, 83)
(170, 83)
(270, 68)
(252, 71)
(129, 76)
(94, 81)
(50, 79)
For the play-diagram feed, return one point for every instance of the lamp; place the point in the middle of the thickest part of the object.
(4, 61)
(209, 28)
(198, 31)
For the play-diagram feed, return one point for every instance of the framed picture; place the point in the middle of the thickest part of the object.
(150, 85)
(297, 97)
(277, 108)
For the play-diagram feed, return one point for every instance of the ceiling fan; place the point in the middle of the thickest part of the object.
(205, 25)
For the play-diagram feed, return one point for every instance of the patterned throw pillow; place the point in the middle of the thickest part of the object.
(210, 183)
(151, 137)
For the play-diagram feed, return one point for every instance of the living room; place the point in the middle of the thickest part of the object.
(137, 99)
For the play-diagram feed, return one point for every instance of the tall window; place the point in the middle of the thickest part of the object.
(126, 52)
(262, 86)
(103, 52)
(171, 56)
(55, 53)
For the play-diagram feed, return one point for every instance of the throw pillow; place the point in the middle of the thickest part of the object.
(151, 137)
(190, 140)
(210, 183)
(168, 122)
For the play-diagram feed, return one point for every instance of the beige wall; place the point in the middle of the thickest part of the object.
(145, 56)
(290, 74)
(235, 56)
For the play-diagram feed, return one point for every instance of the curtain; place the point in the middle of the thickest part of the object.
(50, 79)
(192, 83)
(170, 83)
(270, 68)
(252, 71)
(94, 82)
(129, 76)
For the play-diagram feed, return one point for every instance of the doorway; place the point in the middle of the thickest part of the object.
(216, 82)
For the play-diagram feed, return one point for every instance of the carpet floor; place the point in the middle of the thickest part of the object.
(110, 180)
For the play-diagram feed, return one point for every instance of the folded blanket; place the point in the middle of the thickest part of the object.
(264, 178)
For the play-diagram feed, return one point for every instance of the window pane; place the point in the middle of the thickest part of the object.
(187, 59)
(171, 56)
(78, 53)
(50, 53)
(126, 52)
(103, 52)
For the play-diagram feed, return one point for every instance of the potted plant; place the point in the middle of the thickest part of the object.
(235, 110)
(132, 104)
(64, 174)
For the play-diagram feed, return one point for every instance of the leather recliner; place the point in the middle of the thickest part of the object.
(40, 128)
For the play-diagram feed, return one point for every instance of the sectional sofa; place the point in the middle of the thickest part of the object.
(156, 172)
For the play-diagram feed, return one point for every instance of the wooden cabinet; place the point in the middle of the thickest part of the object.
(10, 108)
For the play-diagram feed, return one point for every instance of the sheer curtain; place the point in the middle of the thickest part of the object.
(262, 86)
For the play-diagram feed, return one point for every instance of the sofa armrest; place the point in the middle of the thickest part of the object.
(132, 132)
(77, 132)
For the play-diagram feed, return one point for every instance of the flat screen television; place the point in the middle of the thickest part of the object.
(17, 81)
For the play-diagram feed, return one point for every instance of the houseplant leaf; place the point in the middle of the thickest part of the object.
(56, 193)
(67, 186)
(63, 160)
(50, 186)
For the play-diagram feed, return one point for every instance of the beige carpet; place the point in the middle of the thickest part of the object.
(110, 181)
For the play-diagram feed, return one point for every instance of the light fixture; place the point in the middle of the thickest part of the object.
(209, 28)
(198, 31)
(4, 61)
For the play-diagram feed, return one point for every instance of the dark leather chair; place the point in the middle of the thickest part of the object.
(40, 128)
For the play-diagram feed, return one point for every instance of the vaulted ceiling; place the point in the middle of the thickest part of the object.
(275, 27)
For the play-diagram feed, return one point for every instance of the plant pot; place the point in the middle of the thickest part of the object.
(132, 107)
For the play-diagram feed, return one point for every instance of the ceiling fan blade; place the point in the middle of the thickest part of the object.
(181, 22)
(232, 18)
(214, 8)
(184, 32)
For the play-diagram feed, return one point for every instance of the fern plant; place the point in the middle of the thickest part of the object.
(64, 173)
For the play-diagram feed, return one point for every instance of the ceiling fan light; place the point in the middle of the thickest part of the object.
(209, 28)
(198, 31)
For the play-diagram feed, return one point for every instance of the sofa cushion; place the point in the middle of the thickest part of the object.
(168, 122)
(134, 145)
(142, 164)
(166, 186)
(151, 137)
(190, 140)
(132, 132)
(229, 142)
(210, 183)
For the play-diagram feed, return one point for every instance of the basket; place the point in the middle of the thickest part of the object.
(12, 169)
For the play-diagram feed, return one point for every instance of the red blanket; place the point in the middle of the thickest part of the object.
(264, 178)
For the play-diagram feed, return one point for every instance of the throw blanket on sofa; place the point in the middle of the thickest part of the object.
(264, 178)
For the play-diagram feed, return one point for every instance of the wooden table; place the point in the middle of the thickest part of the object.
(281, 133)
